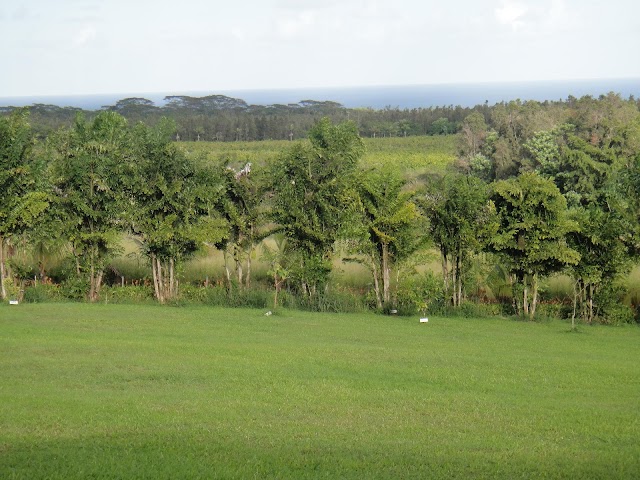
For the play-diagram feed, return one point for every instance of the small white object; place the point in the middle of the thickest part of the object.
(268, 313)
(424, 320)
(13, 302)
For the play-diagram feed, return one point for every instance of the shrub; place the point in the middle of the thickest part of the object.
(421, 293)
(127, 294)
(74, 288)
(42, 293)
(219, 295)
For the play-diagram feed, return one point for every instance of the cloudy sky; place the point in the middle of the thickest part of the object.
(63, 47)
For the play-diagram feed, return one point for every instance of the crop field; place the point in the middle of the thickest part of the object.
(412, 155)
(143, 391)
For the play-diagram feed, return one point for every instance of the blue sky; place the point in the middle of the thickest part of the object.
(64, 47)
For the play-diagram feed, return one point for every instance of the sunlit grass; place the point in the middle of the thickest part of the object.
(95, 391)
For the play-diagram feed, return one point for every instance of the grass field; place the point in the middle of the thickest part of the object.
(121, 391)
(411, 155)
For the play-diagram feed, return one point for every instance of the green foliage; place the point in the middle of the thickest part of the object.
(174, 205)
(43, 293)
(387, 227)
(421, 294)
(311, 190)
(531, 235)
(456, 207)
(92, 166)
(22, 195)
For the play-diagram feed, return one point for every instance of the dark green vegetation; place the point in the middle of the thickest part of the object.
(524, 191)
(94, 391)
(221, 118)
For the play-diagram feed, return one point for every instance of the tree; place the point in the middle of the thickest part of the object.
(241, 204)
(92, 165)
(387, 227)
(594, 180)
(531, 234)
(22, 200)
(173, 200)
(311, 195)
(456, 208)
(472, 134)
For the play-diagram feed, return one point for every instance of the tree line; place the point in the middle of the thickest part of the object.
(222, 118)
(537, 189)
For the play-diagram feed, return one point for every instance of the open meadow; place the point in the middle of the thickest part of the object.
(144, 391)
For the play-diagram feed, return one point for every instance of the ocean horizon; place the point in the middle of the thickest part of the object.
(376, 97)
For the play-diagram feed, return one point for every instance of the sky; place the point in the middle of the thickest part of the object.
(83, 47)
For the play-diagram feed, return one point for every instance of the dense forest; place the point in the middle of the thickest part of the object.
(537, 188)
(221, 118)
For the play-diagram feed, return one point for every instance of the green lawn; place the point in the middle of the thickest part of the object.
(132, 391)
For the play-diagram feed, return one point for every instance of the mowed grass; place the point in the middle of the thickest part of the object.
(122, 391)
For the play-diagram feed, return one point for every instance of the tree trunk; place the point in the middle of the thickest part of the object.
(386, 274)
(590, 303)
(239, 272)
(98, 283)
(534, 297)
(2, 268)
(156, 280)
(172, 283)
(458, 287)
(247, 277)
(376, 281)
(227, 272)
(161, 280)
(575, 303)
(445, 270)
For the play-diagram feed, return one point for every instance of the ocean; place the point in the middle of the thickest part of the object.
(377, 97)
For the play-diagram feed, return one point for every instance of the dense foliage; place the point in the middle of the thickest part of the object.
(537, 189)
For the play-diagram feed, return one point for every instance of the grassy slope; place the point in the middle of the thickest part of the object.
(95, 391)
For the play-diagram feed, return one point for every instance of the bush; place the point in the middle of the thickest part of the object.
(219, 295)
(42, 293)
(127, 294)
(333, 301)
(610, 309)
(74, 288)
(421, 294)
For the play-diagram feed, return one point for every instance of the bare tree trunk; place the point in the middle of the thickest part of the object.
(445, 270)
(92, 281)
(590, 302)
(575, 303)
(172, 284)
(227, 272)
(161, 280)
(525, 298)
(2, 268)
(454, 283)
(386, 274)
(247, 277)
(239, 272)
(459, 277)
(534, 298)
(156, 280)
(376, 281)
(98, 283)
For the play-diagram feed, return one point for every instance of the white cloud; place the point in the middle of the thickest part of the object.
(293, 25)
(85, 36)
(511, 13)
